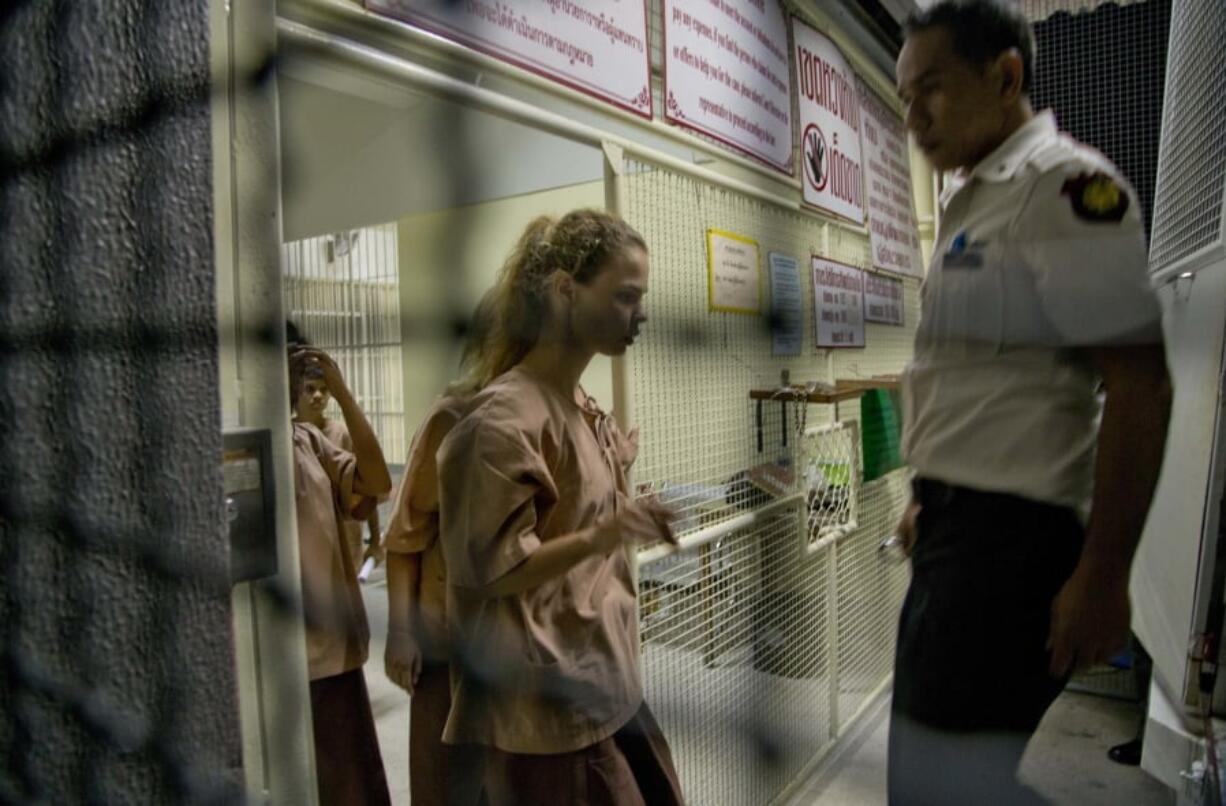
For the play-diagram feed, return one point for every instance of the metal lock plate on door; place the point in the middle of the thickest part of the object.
(250, 503)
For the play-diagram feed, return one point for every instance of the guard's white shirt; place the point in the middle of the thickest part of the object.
(997, 398)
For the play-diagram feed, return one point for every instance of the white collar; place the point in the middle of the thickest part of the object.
(1008, 158)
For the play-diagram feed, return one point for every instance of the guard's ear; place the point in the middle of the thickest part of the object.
(1012, 73)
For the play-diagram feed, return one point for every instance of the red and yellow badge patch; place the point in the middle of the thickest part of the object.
(1096, 197)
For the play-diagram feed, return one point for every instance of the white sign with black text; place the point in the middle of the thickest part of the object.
(733, 273)
(883, 301)
(726, 74)
(838, 297)
(787, 307)
(596, 47)
(893, 235)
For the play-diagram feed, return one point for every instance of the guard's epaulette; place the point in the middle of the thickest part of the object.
(1096, 196)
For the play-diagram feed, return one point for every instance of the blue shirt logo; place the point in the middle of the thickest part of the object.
(958, 245)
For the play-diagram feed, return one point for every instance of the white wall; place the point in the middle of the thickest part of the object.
(1168, 568)
(349, 160)
(447, 261)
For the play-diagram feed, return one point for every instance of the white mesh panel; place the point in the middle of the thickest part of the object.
(1188, 214)
(870, 592)
(693, 369)
(756, 651)
(736, 660)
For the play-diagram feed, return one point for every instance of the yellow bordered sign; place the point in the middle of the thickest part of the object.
(734, 273)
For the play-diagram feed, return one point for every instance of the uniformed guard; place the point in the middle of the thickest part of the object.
(1037, 321)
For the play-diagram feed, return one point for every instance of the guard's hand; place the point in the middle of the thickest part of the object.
(906, 530)
(402, 659)
(1090, 618)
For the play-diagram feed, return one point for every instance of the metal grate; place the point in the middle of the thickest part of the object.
(1042, 9)
(1188, 208)
(343, 290)
(757, 653)
(870, 590)
(1102, 72)
(655, 38)
(758, 649)
(1107, 681)
(693, 369)
(736, 660)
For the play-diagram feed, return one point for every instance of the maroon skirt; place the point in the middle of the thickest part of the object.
(348, 766)
(440, 774)
(633, 767)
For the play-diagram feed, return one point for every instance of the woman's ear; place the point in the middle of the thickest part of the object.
(564, 285)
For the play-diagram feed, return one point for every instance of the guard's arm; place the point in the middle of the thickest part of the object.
(1091, 615)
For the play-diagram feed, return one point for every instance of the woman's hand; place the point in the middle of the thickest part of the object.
(636, 521)
(627, 448)
(305, 357)
(402, 659)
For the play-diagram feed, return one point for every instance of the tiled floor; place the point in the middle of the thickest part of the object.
(1066, 762)
(389, 703)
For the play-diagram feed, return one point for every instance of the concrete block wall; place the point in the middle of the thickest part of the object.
(117, 679)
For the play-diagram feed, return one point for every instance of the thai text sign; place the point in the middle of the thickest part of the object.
(829, 111)
(732, 273)
(883, 300)
(726, 74)
(787, 305)
(893, 236)
(597, 46)
(838, 296)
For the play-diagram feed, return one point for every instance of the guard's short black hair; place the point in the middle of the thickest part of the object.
(981, 30)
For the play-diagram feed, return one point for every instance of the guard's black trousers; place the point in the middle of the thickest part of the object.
(971, 679)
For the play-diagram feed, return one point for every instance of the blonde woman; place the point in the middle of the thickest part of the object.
(535, 516)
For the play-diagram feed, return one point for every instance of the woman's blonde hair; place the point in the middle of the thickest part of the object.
(580, 243)
(477, 333)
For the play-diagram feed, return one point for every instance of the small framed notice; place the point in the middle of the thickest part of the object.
(838, 298)
(787, 313)
(733, 275)
(883, 300)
